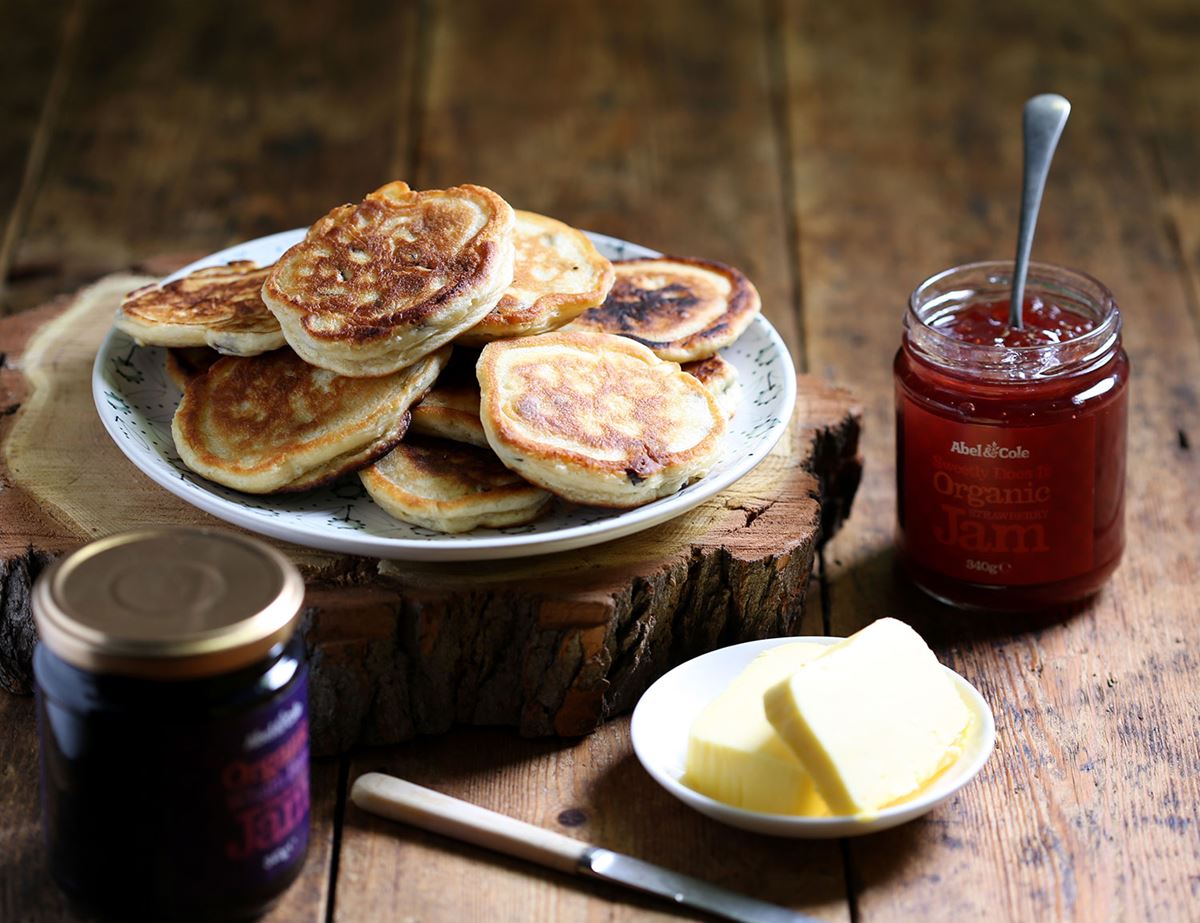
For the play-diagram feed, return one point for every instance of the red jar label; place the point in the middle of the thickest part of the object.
(1001, 505)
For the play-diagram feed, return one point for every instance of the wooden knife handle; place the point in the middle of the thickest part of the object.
(396, 799)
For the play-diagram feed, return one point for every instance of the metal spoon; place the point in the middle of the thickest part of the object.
(1042, 123)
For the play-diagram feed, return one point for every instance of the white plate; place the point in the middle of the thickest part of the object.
(665, 714)
(136, 401)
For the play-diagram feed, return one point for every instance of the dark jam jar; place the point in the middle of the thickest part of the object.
(1010, 445)
(173, 720)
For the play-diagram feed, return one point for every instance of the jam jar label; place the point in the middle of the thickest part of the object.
(263, 788)
(1001, 505)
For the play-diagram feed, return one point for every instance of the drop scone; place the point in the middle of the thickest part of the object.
(451, 487)
(451, 411)
(597, 419)
(220, 307)
(375, 286)
(721, 378)
(558, 274)
(275, 424)
(683, 309)
(188, 362)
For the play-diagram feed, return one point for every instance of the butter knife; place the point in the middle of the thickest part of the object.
(399, 800)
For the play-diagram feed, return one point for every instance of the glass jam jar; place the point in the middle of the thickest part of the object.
(1010, 445)
(173, 724)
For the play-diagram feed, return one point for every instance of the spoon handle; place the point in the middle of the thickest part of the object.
(1042, 123)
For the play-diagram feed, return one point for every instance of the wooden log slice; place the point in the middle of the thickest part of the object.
(551, 644)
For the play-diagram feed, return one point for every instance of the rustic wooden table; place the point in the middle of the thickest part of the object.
(839, 152)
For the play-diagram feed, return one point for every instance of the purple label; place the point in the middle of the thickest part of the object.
(263, 770)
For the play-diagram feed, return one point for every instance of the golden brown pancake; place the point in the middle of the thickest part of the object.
(681, 308)
(557, 275)
(375, 286)
(451, 487)
(188, 362)
(451, 411)
(274, 423)
(220, 307)
(348, 462)
(597, 418)
(721, 378)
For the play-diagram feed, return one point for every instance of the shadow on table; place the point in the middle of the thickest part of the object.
(807, 875)
(611, 803)
(877, 586)
(27, 892)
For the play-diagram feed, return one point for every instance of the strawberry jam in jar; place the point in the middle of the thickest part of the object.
(1010, 444)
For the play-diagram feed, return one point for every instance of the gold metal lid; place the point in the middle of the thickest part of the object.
(168, 603)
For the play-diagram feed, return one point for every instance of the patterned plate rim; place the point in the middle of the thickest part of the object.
(488, 547)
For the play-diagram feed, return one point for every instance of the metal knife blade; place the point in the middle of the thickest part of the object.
(683, 889)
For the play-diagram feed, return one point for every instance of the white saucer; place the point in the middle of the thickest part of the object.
(666, 711)
(136, 401)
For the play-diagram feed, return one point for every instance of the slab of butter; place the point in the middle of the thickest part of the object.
(873, 719)
(735, 756)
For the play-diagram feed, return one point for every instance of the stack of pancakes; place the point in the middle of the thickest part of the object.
(566, 378)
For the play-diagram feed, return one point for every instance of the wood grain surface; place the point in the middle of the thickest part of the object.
(839, 152)
(1092, 800)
